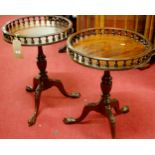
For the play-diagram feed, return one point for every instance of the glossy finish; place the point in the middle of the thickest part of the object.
(109, 49)
(109, 46)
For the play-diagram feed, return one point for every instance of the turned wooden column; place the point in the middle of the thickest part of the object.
(42, 82)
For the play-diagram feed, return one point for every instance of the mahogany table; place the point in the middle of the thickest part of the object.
(108, 49)
(39, 31)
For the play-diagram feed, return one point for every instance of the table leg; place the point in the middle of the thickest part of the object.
(35, 84)
(88, 108)
(104, 106)
(62, 49)
(38, 91)
(59, 85)
(42, 82)
(112, 120)
(115, 104)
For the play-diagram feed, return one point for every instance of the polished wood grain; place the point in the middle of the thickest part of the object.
(109, 46)
(107, 49)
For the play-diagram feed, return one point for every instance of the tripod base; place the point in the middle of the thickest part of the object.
(106, 111)
(104, 106)
(42, 82)
(38, 86)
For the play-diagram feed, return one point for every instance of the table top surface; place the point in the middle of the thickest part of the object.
(109, 48)
(37, 30)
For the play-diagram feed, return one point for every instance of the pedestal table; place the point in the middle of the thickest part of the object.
(107, 49)
(39, 31)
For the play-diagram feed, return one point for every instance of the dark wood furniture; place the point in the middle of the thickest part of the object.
(73, 20)
(108, 49)
(39, 31)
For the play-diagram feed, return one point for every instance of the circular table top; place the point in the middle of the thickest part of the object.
(109, 48)
(37, 30)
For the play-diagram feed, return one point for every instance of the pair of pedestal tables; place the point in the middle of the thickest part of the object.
(107, 49)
